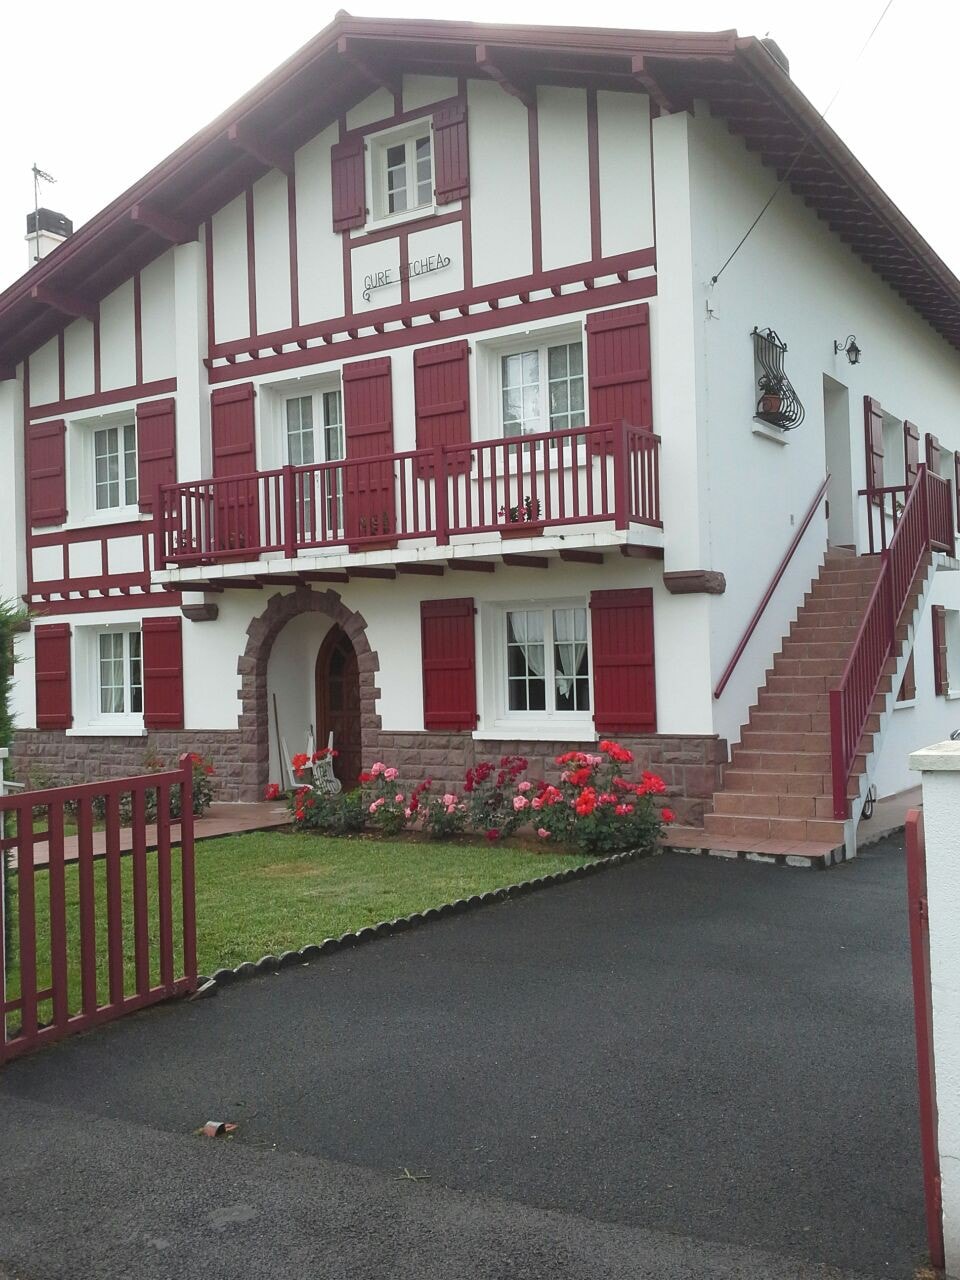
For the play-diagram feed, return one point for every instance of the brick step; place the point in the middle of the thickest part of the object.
(780, 761)
(777, 683)
(770, 804)
(838, 611)
(857, 589)
(768, 720)
(771, 740)
(802, 647)
(823, 618)
(759, 828)
(809, 666)
(820, 633)
(856, 572)
(796, 782)
(799, 703)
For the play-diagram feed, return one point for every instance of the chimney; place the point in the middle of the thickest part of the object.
(45, 230)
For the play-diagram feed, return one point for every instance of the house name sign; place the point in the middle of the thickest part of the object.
(407, 270)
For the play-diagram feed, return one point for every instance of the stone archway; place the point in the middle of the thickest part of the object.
(252, 670)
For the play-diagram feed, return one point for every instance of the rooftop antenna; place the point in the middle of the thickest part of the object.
(38, 176)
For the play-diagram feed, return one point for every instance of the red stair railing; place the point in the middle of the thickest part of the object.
(918, 526)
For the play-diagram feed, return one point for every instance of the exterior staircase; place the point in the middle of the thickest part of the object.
(777, 800)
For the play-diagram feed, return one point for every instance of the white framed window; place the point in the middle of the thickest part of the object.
(401, 172)
(536, 669)
(542, 389)
(115, 466)
(313, 433)
(119, 675)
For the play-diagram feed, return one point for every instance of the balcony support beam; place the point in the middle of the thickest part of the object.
(475, 566)
(526, 562)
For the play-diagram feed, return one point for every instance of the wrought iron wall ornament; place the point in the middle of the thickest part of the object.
(778, 404)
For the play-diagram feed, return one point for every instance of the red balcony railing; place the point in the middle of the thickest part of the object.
(905, 531)
(512, 486)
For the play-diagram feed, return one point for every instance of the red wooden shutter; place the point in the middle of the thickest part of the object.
(449, 664)
(233, 430)
(624, 681)
(235, 508)
(873, 441)
(941, 679)
(451, 159)
(933, 451)
(162, 673)
(368, 419)
(911, 452)
(618, 361)
(52, 674)
(908, 685)
(956, 485)
(441, 387)
(349, 184)
(47, 472)
(156, 448)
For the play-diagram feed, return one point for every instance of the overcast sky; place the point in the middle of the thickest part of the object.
(98, 92)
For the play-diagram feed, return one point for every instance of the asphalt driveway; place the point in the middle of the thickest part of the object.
(675, 1068)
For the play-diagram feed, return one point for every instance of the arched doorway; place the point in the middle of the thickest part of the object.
(338, 704)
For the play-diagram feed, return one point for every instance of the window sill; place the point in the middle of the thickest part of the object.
(905, 704)
(766, 432)
(532, 731)
(422, 213)
(115, 515)
(952, 694)
(107, 731)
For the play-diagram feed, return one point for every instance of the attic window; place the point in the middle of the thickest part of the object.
(779, 404)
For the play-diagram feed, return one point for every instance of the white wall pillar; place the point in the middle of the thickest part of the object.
(193, 394)
(13, 579)
(940, 769)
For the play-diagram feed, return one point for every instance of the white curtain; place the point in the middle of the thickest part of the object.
(569, 651)
(532, 644)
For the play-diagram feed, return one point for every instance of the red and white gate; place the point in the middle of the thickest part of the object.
(101, 917)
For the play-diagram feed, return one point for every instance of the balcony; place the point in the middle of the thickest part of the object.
(445, 502)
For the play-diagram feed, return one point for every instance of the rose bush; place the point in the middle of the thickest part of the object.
(595, 806)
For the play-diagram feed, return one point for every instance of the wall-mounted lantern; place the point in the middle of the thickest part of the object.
(849, 348)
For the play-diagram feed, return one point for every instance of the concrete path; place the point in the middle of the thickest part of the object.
(679, 1068)
(219, 820)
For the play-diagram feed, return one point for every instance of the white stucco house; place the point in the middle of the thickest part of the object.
(401, 403)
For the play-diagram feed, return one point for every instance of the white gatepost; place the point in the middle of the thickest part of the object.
(939, 767)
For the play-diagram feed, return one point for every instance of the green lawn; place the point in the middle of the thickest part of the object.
(265, 893)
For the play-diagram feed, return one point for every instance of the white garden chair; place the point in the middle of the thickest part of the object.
(324, 779)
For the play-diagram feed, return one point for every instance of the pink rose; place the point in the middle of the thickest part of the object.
(543, 833)
(451, 808)
(399, 797)
(520, 802)
(526, 785)
(408, 813)
(391, 775)
(377, 768)
(449, 799)
(536, 803)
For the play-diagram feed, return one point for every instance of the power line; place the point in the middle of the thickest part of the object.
(799, 156)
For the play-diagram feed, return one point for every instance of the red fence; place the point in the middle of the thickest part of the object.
(95, 934)
(917, 525)
(585, 474)
(923, 1029)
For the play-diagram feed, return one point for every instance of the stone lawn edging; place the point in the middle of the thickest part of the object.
(386, 928)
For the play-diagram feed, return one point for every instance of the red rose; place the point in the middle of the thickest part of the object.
(667, 815)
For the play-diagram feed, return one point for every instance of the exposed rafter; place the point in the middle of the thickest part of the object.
(68, 304)
(351, 51)
(274, 156)
(165, 225)
(640, 66)
(490, 68)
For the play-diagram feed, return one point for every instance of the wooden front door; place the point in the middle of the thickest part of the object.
(338, 704)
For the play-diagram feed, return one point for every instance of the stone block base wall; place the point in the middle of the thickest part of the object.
(47, 757)
(692, 767)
